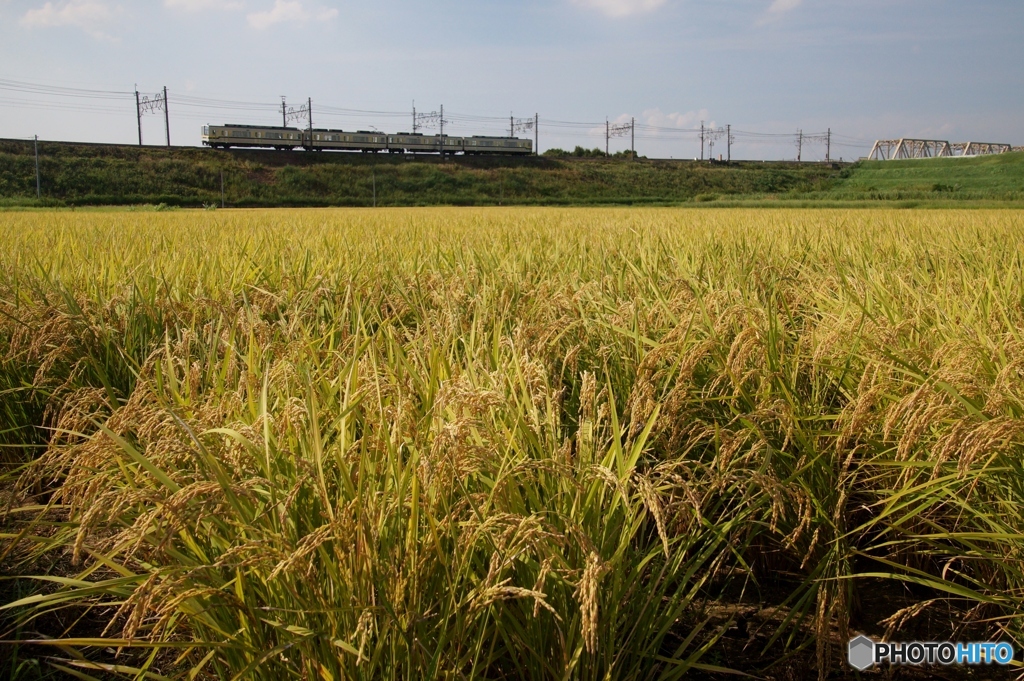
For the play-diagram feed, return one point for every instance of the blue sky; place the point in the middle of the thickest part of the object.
(864, 68)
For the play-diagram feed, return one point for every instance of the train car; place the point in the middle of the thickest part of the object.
(319, 139)
(405, 142)
(224, 136)
(497, 145)
(453, 145)
(364, 140)
(412, 143)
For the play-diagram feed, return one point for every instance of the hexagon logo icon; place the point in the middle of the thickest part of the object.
(861, 654)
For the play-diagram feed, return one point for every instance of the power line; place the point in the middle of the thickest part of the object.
(188, 106)
(60, 106)
(37, 88)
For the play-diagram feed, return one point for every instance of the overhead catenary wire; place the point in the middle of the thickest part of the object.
(40, 96)
(62, 91)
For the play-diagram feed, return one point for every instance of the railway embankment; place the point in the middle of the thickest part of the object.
(76, 174)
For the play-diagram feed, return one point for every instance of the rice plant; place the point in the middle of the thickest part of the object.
(527, 443)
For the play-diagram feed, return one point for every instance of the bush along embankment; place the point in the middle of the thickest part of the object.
(81, 175)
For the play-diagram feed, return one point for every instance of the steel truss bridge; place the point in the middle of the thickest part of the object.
(890, 150)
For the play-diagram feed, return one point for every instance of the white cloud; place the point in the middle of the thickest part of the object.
(620, 8)
(783, 6)
(658, 119)
(777, 9)
(88, 15)
(601, 130)
(203, 5)
(283, 10)
(288, 11)
(689, 120)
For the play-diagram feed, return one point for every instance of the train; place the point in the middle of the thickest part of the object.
(321, 139)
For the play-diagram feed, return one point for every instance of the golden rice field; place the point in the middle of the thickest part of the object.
(506, 443)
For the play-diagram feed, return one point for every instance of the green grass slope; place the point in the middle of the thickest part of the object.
(999, 177)
(98, 175)
(81, 174)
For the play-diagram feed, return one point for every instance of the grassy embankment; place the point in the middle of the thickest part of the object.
(82, 175)
(106, 175)
(526, 443)
(984, 178)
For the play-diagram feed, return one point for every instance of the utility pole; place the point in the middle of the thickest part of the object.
(728, 143)
(702, 140)
(511, 125)
(309, 113)
(607, 134)
(138, 114)
(414, 116)
(441, 136)
(800, 146)
(632, 138)
(828, 146)
(284, 113)
(39, 191)
(167, 119)
(536, 134)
